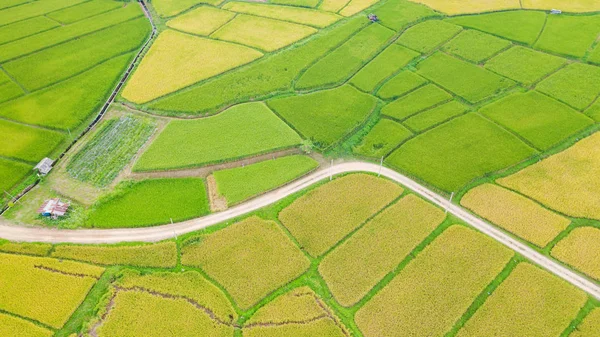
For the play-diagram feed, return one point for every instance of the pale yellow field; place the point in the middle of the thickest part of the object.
(305, 16)
(530, 302)
(356, 6)
(581, 249)
(357, 265)
(177, 60)
(32, 285)
(263, 33)
(295, 314)
(166, 8)
(590, 325)
(250, 259)
(433, 291)
(333, 5)
(159, 255)
(191, 285)
(515, 213)
(202, 20)
(137, 313)
(12, 326)
(40, 249)
(564, 5)
(567, 182)
(454, 7)
(325, 215)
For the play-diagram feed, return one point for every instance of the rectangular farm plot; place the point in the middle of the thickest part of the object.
(322, 217)
(435, 289)
(539, 119)
(515, 213)
(37, 8)
(520, 26)
(453, 154)
(43, 283)
(21, 29)
(400, 84)
(172, 64)
(262, 33)
(397, 15)
(241, 131)
(61, 106)
(333, 5)
(524, 65)
(342, 62)
(151, 202)
(416, 101)
(298, 3)
(167, 8)
(392, 59)
(594, 111)
(570, 6)
(434, 116)
(305, 16)
(83, 11)
(355, 6)
(590, 325)
(454, 7)
(382, 139)
(571, 35)
(462, 78)
(475, 46)
(358, 264)
(12, 172)
(325, 117)
(566, 181)
(8, 88)
(203, 20)
(13, 326)
(580, 250)
(241, 183)
(576, 85)
(530, 302)
(426, 36)
(250, 259)
(26, 142)
(594, 56)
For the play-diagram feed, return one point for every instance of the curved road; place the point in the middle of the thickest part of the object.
(151, 234)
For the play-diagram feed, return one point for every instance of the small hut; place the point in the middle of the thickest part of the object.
(373, 17)
(44, 166)
(53, 208)
(556, 11)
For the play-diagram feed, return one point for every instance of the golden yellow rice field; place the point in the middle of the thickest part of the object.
(566, 6)
(454, 7)
(321, 218)
(13, 326)
(358, 264)
(305, 16)
(333, 5)
(203, 20)
(355, 6)
(262, 33)
(530, 302)
(32, 285)
(515, 213)
(40, 249)
(173, 63)
(581, 250)
(590, 325)
(433, 291)
(567, 182)
(158, 255)
(250, 259)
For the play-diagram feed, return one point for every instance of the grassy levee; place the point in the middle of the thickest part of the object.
(150, 202)
(325, 117)
(475, 46)
(344, 61)
(66, 60)
(241, 183)
(65, 33)
(241, 131)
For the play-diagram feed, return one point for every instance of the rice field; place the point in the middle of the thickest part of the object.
(309, 17)
(235, 257)
(203, 20)
(576, 85)
(435, 116)
(382, 139)
(241, 183)
(400, 84)
(319, 219)
(14, 326)
(578, 249)
(436, 288)
(565, 181)
(12, 172)
(377, 248)
(416, 101)
(150, 202)
(524, 65)
(428, 35)
(27, 143)
(168, 8)
(241, 131)
(589, 326)
(515, 213)
(475, 46)
(454, 7)
(531, 302)
(569, 35)
(39, 249)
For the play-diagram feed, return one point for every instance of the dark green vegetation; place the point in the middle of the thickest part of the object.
(151, 202)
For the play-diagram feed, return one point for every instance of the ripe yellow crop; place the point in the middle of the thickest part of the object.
(580, 249)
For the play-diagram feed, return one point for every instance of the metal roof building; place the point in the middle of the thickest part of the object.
(44, 166)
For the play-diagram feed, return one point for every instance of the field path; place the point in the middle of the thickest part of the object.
(151, 234)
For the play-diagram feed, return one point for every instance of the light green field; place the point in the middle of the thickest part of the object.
(576, 85)
(167, 8)
(400, 85)
(241, 131)
(475, 46)
(83, 11)
(382, 139)
(27, 143)
(524, 65)
(416, 101)
(455, 153)
(569, 35)
(151, 202)
(28, 10)
(434, 116)
(428, 35)
(25, 28)
(325, 117)
(241, 183)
